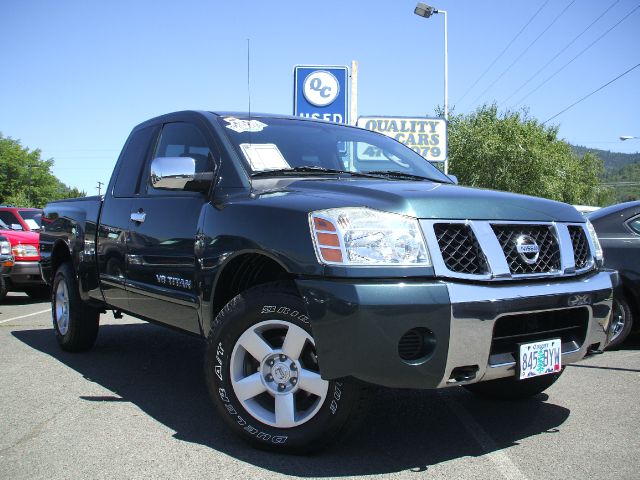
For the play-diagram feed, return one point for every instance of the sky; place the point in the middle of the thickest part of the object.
(77, 76)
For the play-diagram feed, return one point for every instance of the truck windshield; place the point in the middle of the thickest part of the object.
(279, 146)
(33, 218)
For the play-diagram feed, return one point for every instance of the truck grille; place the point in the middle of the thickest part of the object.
(569, 325)
(498, 251)
(581, 251)
(460, 249)
(549, 256)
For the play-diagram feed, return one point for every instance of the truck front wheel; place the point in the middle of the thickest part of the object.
(262, 372)
(75, 322)
(513, 389)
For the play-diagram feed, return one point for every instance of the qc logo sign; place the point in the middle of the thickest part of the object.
(321, 88)
(321, 92)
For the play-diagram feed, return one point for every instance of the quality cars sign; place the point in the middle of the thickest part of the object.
(427, 136)
(321, 92)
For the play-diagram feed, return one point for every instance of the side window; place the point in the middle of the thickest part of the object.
(133, 158)
(184, 140)
(634, 224)
(10, 219)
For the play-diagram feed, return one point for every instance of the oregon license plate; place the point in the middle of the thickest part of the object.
(540, 358)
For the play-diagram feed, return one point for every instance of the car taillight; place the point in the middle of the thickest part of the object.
(26, 252)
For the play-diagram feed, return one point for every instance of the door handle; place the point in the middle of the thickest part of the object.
(138, 216)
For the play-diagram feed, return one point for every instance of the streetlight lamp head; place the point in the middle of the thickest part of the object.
(424, 10)
(627, 137)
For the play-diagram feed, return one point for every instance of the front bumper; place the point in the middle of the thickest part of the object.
(358, 325)
(26, 274)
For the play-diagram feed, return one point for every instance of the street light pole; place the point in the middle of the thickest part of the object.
(425, 11)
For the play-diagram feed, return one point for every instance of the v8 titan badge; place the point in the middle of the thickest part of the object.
(321, 88)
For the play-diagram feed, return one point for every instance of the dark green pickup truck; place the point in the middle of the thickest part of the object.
(316, 259)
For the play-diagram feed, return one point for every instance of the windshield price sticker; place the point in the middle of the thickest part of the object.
(263, 156)
(242, 126)
(540, 358)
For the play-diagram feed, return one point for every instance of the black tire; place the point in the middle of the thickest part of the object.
(622, 322)
(278, 310)
(4, 289)
(75, 322)
(41, 292)
(512, 389)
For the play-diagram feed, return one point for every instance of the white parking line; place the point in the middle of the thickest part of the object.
(25, 316)
(499, 458)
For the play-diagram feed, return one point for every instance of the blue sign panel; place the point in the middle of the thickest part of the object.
(321, 92)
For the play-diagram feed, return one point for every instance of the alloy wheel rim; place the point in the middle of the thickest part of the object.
(618, 322)
(274, 374)
(62, 308)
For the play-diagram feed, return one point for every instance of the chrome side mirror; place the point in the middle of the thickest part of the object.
(178, 173)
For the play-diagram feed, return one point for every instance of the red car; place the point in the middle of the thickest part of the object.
(25, 219)
(25, 275)
(6, 263)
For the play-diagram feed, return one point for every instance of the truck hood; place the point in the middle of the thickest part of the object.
(18, 237)
(421, 199)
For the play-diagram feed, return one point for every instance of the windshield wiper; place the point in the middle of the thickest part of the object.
(312, 169)
(402, 175)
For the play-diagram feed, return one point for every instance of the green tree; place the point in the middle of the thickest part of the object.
(511, 151)
(26, 179)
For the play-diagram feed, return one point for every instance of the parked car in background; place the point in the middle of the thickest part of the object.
(586, 209)
(25, 275)
(618, 228)
(17, 218)
(6, 263)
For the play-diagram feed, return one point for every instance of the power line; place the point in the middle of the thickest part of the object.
(578, 55)
(596, 20)
(557, 17)
(595, 91)
(503, 51)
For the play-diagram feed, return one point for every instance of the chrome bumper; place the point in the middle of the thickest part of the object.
(476, 308)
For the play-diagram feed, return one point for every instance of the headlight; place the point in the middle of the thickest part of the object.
(363, 236)
(25, 251)
(5, 248)
(598, 254)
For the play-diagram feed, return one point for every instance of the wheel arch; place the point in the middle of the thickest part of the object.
(242, 271)
(60, 253)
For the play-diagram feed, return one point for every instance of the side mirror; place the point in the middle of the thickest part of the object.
(454, 179)
(178, 173)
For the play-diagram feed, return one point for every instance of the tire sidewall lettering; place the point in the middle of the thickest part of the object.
(286, 311)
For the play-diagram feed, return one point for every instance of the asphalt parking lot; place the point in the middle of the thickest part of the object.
(136, 407)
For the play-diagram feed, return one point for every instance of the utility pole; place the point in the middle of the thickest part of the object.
(100, 187)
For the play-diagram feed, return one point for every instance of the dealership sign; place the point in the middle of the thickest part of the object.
(427, 136)
(321, 92)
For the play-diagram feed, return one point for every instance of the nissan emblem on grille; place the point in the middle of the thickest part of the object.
(528, 249)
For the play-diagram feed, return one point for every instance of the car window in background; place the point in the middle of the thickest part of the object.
(635, 225)
(33, 218)
(10, 221)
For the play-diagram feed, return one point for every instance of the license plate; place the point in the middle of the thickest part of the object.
(540, 358)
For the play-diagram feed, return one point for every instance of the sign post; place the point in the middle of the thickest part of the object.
(321, 92)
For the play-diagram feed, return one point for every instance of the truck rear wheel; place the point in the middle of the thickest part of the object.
(262, 373)
(513, 389)
(75, 322)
